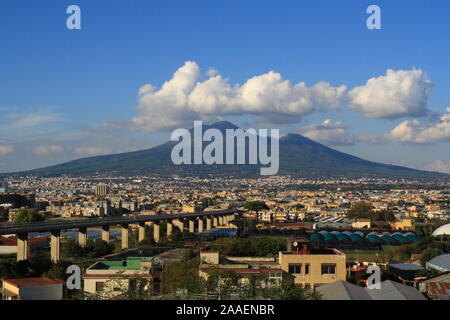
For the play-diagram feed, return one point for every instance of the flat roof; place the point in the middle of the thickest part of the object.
(241, 270)
(313, 251)
(131, 263)
(30, 282)
(406, 266)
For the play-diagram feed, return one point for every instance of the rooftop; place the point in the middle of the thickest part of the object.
(389, 290)
(131, 263)
(13, 241)
(440, 263)
(316, 251)
(29, 282)
(406, 266)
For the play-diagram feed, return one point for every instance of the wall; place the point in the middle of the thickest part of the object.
(46, 292)
(315, 262)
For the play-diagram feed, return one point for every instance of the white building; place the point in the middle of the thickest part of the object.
(32, 289)
(108, 279)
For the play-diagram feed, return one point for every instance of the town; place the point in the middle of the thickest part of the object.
(278, 237)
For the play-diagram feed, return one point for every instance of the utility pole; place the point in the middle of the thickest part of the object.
(219, 288)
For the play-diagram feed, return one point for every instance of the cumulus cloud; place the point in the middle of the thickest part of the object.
(47, 149)
(189, 95)
(5, 149)
(92, 150)
(397, 94)
(416, 132)
(328, 133)
(439, 166)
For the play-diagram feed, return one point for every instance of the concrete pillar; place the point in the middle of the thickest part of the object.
(215, 221)
(82, 237)
(178, 223)
(192, 225)
(54, 245)
(200, 225)
(125, 236)
(208, 223)
(169, 229)
(22, 246)
(156, 229)
(105, 233)
(141, 232)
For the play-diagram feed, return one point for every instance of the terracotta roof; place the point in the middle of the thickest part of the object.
(29, 282)
(13, 241)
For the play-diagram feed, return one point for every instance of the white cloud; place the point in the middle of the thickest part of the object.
(328, 133)
(415, 132)
(371, 139)
(404, 163)
(398, 94)
(5, 149)
(439, 166)
(30, 120)
(188, 96)
(113, 125)
(91, 150)
(47, 149)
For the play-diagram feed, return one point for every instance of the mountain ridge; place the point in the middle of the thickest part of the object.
(299, 156)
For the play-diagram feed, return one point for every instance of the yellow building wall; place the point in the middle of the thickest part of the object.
(315, 261)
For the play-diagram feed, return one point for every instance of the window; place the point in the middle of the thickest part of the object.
(307, 268)
(99, 286)
(295, 268)
(328, 269)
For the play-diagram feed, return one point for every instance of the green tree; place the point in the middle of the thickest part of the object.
(177, 235)
(23, 268)
(97, 248)
(139, 289)
(429, 254)
(28, 215)
(286, 290)
(255, 206)
(58, 270)
(182, 275)
(40, 262)
(360, 209)
(70, 249)
(8, 269)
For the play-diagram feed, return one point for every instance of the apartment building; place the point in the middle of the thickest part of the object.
(312, 267)
(265, 269)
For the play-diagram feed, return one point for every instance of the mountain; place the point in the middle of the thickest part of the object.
(299, 156)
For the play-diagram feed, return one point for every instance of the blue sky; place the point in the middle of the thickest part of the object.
(67, 94)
